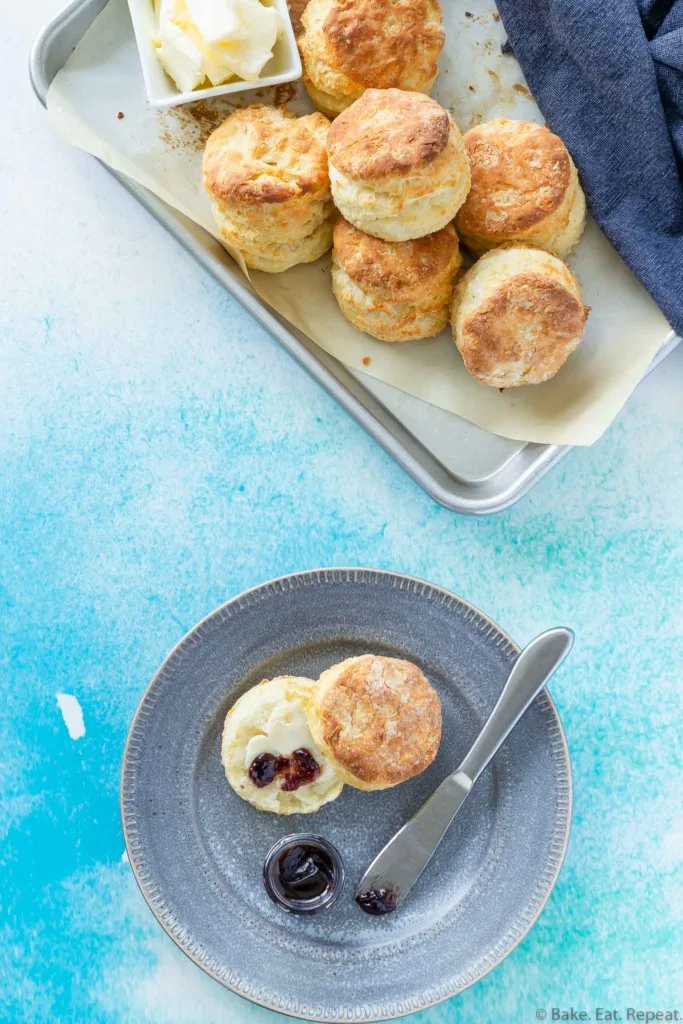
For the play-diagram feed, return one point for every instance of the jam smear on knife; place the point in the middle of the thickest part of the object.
(377, 901)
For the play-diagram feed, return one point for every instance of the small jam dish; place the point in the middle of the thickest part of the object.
(284, 65)
(303, 873)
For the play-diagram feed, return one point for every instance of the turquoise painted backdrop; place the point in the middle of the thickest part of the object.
(158, 454)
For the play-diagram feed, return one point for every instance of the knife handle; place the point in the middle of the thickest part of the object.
(529, 674)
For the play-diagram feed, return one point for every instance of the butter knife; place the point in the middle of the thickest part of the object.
(392, 874)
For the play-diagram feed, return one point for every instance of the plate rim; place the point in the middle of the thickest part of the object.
(522, 927)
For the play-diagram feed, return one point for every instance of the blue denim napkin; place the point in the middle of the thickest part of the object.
(608, 77)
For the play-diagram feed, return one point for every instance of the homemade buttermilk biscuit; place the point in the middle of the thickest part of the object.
(265, 171)
(268, 752)
(517, 316)
(351, 45)
(398, 165)
(395, 291)
(524, 188)
(377, 720)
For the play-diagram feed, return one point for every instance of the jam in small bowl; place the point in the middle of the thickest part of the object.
(303, 873)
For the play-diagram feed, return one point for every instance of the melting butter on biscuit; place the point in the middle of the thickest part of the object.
(271, 719)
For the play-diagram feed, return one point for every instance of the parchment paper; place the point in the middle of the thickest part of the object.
(162, 150)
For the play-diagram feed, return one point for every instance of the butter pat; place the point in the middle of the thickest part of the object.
(179, 56)
(285, 731)
(214, 40)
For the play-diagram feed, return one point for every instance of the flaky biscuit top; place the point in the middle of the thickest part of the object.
(403, 270)
(517, 316)
(377, 719)
(520, 175)
(263, 154)
(388, 132)
(379, 44)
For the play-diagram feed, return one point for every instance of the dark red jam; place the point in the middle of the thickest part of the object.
(263, 769)
(300, 769)
(296, 769)
(377, 901)
(305, 872)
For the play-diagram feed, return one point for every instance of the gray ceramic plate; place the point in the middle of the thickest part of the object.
(197, 850)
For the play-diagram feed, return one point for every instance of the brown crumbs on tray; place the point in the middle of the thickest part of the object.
(188, 127)
(496, 16)
(518, 87)
(284, 93)
(468, 14)
(366, 360)
(296, 9)
(120, 116)
(471, 88)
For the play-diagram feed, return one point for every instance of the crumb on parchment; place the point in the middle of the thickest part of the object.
(189, 126)
(366, 360)
(296, 9)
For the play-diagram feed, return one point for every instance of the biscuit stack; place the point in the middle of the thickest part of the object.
(518, 313)
(265, 171)
(348, 46)
(404, 180)
(398, 165)
(399, 173)
(395, 291)
(525, 188)
(517, 316)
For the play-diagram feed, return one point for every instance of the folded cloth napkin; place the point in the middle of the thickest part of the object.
(608, 77)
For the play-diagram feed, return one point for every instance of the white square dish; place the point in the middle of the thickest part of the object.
(284, 65)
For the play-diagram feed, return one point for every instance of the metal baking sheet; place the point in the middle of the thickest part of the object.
(463, 467)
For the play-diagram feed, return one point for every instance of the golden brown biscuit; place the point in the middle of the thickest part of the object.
(351, 45)
(525, 188)
(395, 291)
(398, 165)
(377, 720)
(517, 316)
(261, 246)
(265, 171)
